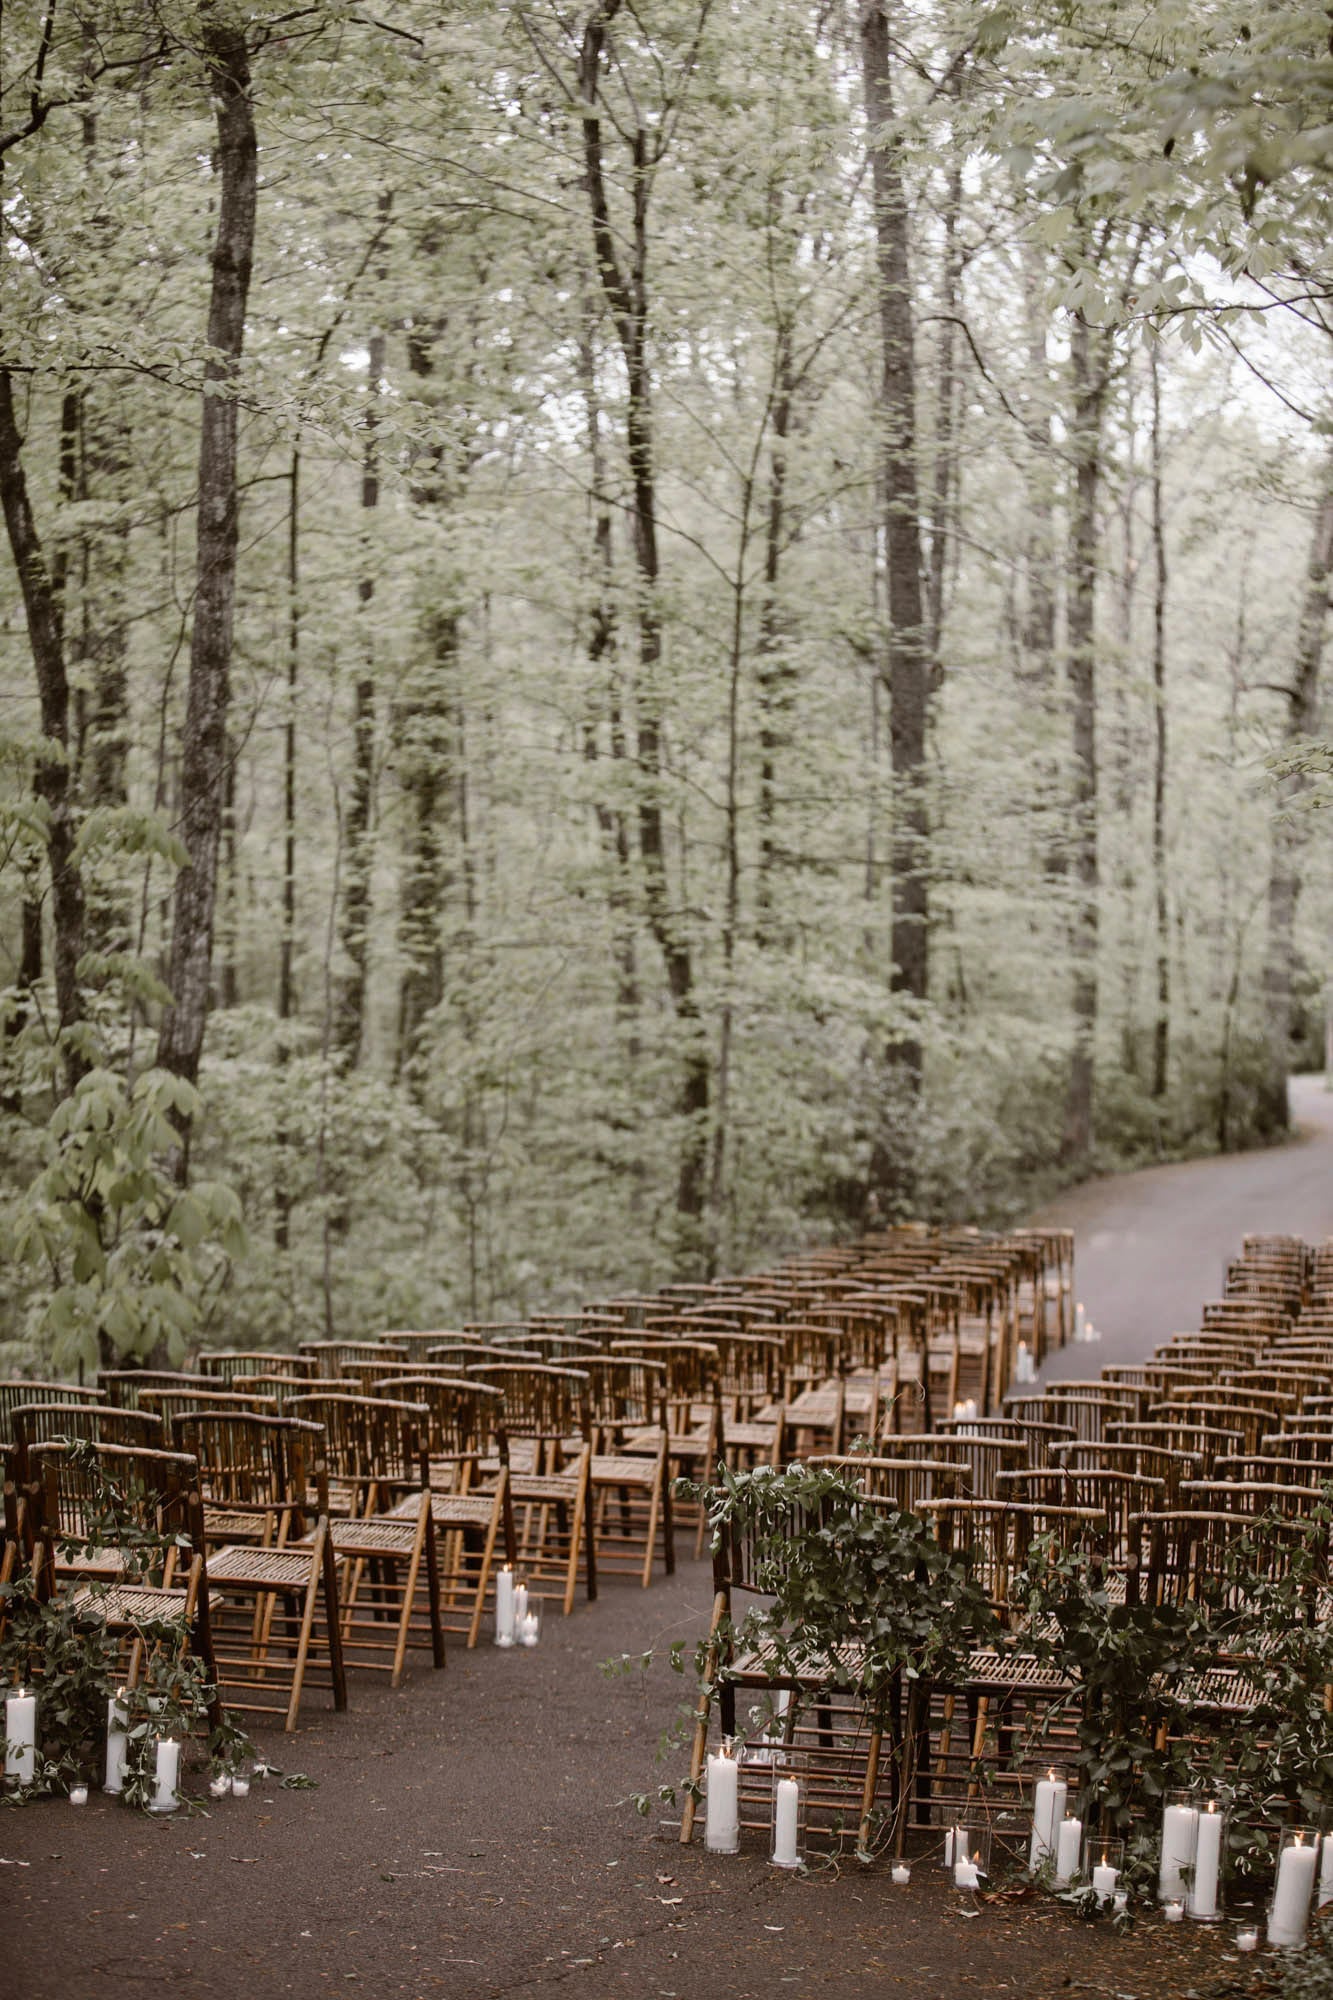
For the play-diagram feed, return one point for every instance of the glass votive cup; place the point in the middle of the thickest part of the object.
(78, 1795)
(970, 1851)
(902, 1874)
(1102, 1865)
(528, 1622)
(1247, 1938)
(1173, 1909)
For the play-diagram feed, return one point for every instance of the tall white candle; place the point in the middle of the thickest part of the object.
(1104, 1879)
(1069, 1839)
(520, 1605)
(164, 1799)
(21, 1737)
(504, 1607)
(786, 1819)
(1179, 1826)
(1326, 1870)
(1202, 1901)
(1048, 1809)
(1080, 1322)
(1291, 1896)
(117, 1738)
(722, 1823)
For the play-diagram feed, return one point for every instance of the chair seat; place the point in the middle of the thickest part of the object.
(261, 1569)
(133, 1604)
(451, 1510)
(687, 1444)
(545, 1486)
(381, 1536)
(760, 1435)
(1014, 1672)
(221, 1525)
(621, 1469)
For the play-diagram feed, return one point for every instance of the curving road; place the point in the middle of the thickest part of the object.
(1151, 1246)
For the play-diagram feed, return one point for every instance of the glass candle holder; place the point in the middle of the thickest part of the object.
(528, 1621)
(1293, 1886)
(1050, 1797)
(788, 1839)
(971, 1851)
(1204, 1901)
(1324, 1887)
(1180, 1830)
(722, 1813)
(1103, 1864)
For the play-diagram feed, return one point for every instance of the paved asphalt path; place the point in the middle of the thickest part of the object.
(1150, 1247)
(470, 1835)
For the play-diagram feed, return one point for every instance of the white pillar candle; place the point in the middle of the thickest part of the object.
(1290, 1913)
(1326, 1870)
(1207, 1863)
(117, 1739)
(1080, 1322)
(948, 1847)
(21, 1737)
(1048, 1809)
(164, 1799)
(1069, 1839)
(1104, 1879)
(504, 1607)
(1179, 1825)
(520, 1605)
(786, 1818)
(722, 1823)
(966, 1873)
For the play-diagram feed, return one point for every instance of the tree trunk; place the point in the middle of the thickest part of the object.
(907, 672)
(774, 674)
(52, 778)
(626, 296)
(1089, 382)
(1274, 1115)
(424, 728)
(1162, 1022)
(204, 748)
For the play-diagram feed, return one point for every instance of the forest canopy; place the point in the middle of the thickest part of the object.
(633, 634)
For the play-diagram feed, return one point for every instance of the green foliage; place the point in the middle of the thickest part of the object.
(127, 1259)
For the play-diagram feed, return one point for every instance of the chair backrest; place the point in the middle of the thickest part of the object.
(541, 1400)
(110, 1496)
(167, 1403)
(124, 1386)
(332, 1356)
(48, 1423)
(229, 1362)
(12, 1393)
(463, 1417)
(906, 1483)
(253, 1460)
(461, 1353)
(369, 1440)
(1188, 1554)
(624, 1390)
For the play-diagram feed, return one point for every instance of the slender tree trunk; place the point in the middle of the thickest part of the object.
(424, 730)
(204, 749)
(1162, 1022)
(944, 470)
(774, 674)
(908, 668)
(52, 778)
(1284, 879)
(627, 299)
(1089, 382)
(282, 1200)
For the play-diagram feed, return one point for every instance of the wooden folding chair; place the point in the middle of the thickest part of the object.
(549, 1429)
(631, 1491)
(376, 1452)
(120, 1530)
(471, 1503)
(266, 1516)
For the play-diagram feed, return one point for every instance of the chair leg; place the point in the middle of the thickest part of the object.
(487, 1559)
(702, 1707)
(329, 1590)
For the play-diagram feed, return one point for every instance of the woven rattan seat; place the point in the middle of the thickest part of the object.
(126, 1604)
(624, 1468)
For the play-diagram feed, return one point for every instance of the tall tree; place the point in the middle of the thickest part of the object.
(907, 668)
(204, 748)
